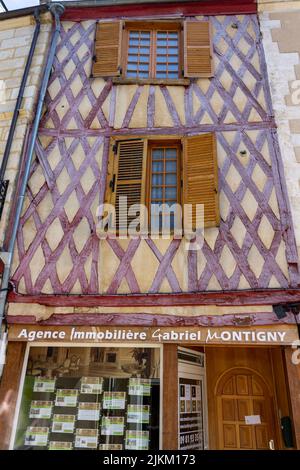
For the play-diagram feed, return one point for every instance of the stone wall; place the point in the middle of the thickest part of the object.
(280, 28)
(15, 40)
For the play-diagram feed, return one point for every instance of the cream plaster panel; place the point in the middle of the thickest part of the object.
(162, 116)
(177, 95)
(37, 261)
(281, 259)
(238, 231)
(255, 260)
(45, 207)
(29, 232)
(72, 206)
(249, 204)
(123, 288)
(125, 94)
(180, 265)
(243, 284)
(54, 234)
(64, 264)
(44, 312)
(47, 288)
(265, 232)
(227, 261)
(145, 264)
(139, 117)
(81, 234)
(273, 284)
(213, 284)
(211, 235)
(108, 264)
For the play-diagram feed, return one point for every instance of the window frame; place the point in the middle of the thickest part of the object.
(153, 27)
(82, 344)
(164, 139)
(163, 143)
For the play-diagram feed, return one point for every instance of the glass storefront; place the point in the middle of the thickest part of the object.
(101, 398)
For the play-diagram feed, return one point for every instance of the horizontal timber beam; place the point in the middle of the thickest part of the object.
(179, 130)
(144, 9)
(146, 319)
(234, 298)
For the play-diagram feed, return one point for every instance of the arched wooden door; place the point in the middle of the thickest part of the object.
(242, 393)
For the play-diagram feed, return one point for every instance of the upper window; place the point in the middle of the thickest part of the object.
(159, 174)
(153, 51)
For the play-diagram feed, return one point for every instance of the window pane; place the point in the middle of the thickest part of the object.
(133, 50)
(171, 153)
(164, 186)
(170, 166)
(171, 193)
(171, 179)
(167, 54)
(81, 398)
(158, 179)
(162, 75)
(157, 166)
(157, 193)
(158, 154)
(138, 54)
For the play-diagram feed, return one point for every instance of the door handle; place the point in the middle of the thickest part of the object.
(271, 444)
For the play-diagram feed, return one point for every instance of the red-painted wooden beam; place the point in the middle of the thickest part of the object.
(208, 7)
(220, 298)
(142, 319)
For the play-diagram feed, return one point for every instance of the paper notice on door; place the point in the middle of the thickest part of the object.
(253, 419)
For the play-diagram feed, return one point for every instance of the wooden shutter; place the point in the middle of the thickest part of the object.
(129, 176)
(197, 49)
(107, 56)
(200, 177)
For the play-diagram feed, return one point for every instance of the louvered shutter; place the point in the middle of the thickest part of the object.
(197, 49)
(129, 178)
(200, 177)
(107, 56)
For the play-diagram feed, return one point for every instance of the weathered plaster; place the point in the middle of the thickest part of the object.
(280, 28)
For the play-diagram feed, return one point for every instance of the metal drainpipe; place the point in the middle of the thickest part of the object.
(56, 9)
(20, 96)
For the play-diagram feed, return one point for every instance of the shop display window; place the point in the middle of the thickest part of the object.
(93, 398)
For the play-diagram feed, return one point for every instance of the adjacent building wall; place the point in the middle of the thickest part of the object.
(15, 40)
(280, 28)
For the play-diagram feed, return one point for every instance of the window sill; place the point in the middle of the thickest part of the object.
(151, 81)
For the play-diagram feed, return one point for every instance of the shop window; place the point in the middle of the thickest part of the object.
(151, 173)
(153, 51)
(82, 400)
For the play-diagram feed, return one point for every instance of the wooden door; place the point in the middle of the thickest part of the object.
(241, 393)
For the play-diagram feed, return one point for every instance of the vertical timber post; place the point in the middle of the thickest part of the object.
(293, 376)
(9, 387)
(170, 397)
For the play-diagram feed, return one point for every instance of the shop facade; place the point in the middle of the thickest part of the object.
(121, 388)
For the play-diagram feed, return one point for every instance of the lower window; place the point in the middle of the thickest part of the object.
(90, 398)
